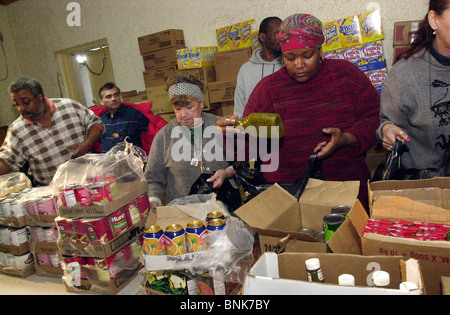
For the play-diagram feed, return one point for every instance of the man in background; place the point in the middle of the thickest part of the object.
(265, 60)
(121, 121)
(48, 133)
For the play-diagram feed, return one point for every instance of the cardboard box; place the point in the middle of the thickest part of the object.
(445, 286)
(277, 216)
(15, 250)
(403, 32)
(408, 201)
(158, 76)
(222, 91)
(160, 59)
(24, 273)
(127, 193)
(285, 274)
(204, 74)
(171, 38)
(399, 50)
(229, 62)
(141, 97)
(13, 221)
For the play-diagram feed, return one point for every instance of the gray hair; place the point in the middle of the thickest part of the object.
(28, 83)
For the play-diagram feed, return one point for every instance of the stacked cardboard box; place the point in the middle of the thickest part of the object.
(404, 35)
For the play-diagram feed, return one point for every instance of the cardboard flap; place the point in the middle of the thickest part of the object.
(402, 208)
(330, 192)
(265, 210)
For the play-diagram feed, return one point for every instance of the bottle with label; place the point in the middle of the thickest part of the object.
(346, 280)
(258, 120)
(314, 270)
(381, 279)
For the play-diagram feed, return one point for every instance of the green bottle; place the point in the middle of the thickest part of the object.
(261, 120)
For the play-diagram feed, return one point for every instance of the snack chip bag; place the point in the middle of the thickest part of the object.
(349, 31)
(370, 24)
(332, 38)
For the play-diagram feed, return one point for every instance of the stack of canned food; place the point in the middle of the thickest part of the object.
(175, 240)
(10, 205)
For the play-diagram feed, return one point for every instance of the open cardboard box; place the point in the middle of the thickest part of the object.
(277, 216)
(127, 193)
(398, 200)
(286, 274)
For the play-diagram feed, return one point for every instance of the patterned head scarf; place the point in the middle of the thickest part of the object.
(300, 31)
(183, 88)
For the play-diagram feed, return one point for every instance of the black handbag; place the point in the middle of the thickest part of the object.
(227, 193)
(390, 169)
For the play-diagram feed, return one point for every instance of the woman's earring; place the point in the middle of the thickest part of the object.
(434, 32)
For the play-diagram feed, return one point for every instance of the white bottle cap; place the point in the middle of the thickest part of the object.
(408, 286)
(312, 264)
(346, 279)
(381, 278)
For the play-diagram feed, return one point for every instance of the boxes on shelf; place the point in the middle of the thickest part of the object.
(222, 91)
(277, 216)
(171, 38)
(286, 274)
(197, 57)
(136, 98)
(160, 59)
(157, 77)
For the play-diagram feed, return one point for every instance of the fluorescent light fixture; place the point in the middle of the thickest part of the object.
(81, 59)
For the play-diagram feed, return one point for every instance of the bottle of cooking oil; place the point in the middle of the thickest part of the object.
(258, 120)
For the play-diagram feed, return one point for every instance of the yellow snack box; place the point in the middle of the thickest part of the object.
(234, 36)
(201, 57)
(349, 31)
(332, 38)
(370, 24)
(223, 42)
(247, 28)
(183, 58)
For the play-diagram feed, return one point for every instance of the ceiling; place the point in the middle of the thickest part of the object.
(6, 2)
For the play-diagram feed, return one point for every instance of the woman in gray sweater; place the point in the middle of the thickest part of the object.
(186, 146)
(415, 100)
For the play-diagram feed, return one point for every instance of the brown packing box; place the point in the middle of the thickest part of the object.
(158, 76)
(445, 285)
(103, 250)
(222, 91)
(286, 274)
(13, 221)
(24, 273)
(277, 216)
(160, 59)
(140, 97)
(171, 38)
(409, 201)
(127, 193)
(403, 32)
(229, 62)
(15, 250)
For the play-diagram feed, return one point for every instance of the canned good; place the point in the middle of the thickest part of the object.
(341, 209)
(81, 231)
(132, 213)
(175, 241)
(214, 215)
(31, 207)
(17, 209)
(37, 234)
(46, 206)
(154, 241)
(83, 195)
(68, 196)
(18, 236)
(101, 193)
(66, 230)
(99, 230)
(195, 233)
(6, 207)
(44, 259)
(307, 231)
(143, 205)
(119, 222)
(331, 223)
(216, 225)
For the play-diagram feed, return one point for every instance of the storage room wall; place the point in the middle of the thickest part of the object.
(39, 28)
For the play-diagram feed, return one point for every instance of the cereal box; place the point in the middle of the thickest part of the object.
(367, 57)
(377, 78)
(234, 36)
(349, 31)
(222, 39)
(201, 57)
(334, 54)
(247, 28)
(370, 25)
(183, 58)
(331, 34)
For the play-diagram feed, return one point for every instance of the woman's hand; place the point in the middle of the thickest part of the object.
(391, 133)
(338, 140)
(223, 122)
(220, 176)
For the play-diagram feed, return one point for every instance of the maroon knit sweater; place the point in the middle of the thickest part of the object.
(339, 96)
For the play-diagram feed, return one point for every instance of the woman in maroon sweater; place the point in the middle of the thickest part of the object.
(327, 106)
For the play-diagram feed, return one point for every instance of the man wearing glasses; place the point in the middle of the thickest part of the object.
(48, 133)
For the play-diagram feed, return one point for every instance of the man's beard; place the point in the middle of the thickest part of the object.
(34, 116)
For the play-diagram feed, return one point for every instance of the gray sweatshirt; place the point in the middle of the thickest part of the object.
(416, 97)
(165, 173)
(249, 75)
